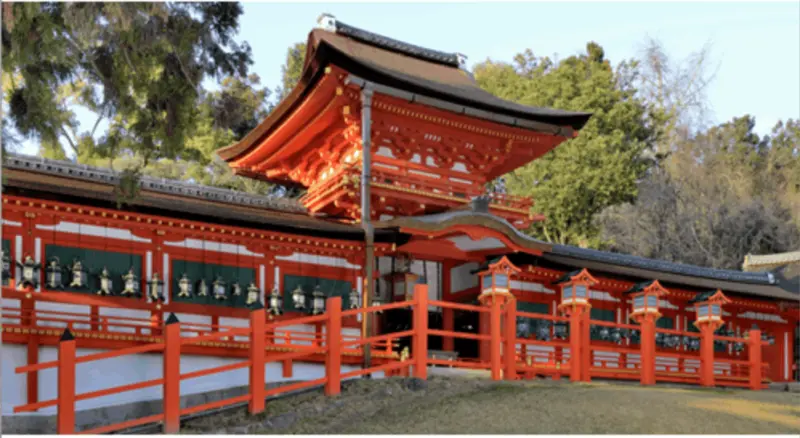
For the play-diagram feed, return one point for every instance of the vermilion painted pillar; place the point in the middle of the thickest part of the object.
(510, 341)
(575, 346)
(586, 350)
(707, 355)
(65, 417)
(258, 319)
(333, 339)
(448, 325)
(496, 334)
(754, 356)
(172, 375)
(647, 350)
(420, 315)
(483, 329)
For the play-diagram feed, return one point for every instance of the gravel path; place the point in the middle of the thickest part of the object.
(466, 405)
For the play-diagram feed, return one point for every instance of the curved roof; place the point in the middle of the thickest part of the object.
(385, 61)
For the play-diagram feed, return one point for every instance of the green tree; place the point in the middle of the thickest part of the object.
(137, 66)
(600, 167)
(292, 69)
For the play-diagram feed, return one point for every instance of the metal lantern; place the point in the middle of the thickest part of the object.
(605, 333)
(377, 301)
(202, 288)
(219, 289)
(660, 339)
(184, 286)
(6, 268)
(318, 301)
(106, 285)
(131, 283)
(299, 298)
(79, 275)
(523, 327)
(155, 288)
(695, 344)
(275, 302)
(616, 335)
(543, 331)
(53, 274)
(30, 273)
(738, 347)
(236, 290)
(354, 298)
(561, 330)
(253, 293)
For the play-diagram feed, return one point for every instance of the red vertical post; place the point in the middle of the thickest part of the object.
(586, 346)
(258, 321)
(483, 329)
(707, 355)
(420, 353)
(495, 334)
(172, 375)
(333, 342)
(510, 344)
(754, 357)
(65, 416)
(448, 325)
(575, 346)
(647, 345)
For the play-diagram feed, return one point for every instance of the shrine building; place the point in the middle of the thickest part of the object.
(393, 145)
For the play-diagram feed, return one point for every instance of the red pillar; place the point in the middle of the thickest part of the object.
(754, 356)
(495, 334)
(420, 353)
(707, 355)
(483, 329)
(575, 346)
(65, 417)
(448, 325)
(510, 342)
(172, 375)
(258, 319)
(647, 350)
(586, 347)
(333, 339)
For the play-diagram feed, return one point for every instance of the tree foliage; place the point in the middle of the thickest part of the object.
(729, 194)
(137, 66)
(600, 167)
(292, 69)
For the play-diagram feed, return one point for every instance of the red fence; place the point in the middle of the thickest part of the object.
(510, 357)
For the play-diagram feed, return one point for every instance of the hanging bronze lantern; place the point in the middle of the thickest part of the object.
(253, 294)
(30, 273)
(6, 268)
(54, 272)
(219, 289)
(184, 286)
(79, 275)
(155, 288)
(318, 303)
(354, 297)
(106, 286)
(299, 298)
(377, 300)
(275, 302)
(131, 284)
(236, 290)
(202, 288)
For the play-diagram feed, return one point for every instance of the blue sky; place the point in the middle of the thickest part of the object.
(755, 46)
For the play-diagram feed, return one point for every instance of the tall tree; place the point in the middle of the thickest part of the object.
(137, 66)
(292, 68)
(723, 199)
(597, 169)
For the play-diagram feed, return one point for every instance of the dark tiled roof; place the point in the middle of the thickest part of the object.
(566, 277)
(638, 287)
(702, 296)
(160, 185)
(663, 266)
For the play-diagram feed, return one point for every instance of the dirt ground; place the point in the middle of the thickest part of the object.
(465, 405)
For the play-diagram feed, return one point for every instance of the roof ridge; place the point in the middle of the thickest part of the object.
(162, 185)
(329, 23)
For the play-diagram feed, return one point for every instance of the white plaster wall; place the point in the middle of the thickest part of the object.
(61, 307)
(236, 322)
(123, 370)
(462, 279)
(125, 313)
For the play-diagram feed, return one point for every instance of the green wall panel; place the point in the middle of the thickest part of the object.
(209, 272)
(665, 323)
(93, 262)
(330, 287)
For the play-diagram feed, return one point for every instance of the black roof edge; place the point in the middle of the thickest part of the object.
(764, 278)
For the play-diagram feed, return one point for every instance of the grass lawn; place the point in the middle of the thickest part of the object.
(467, 405)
